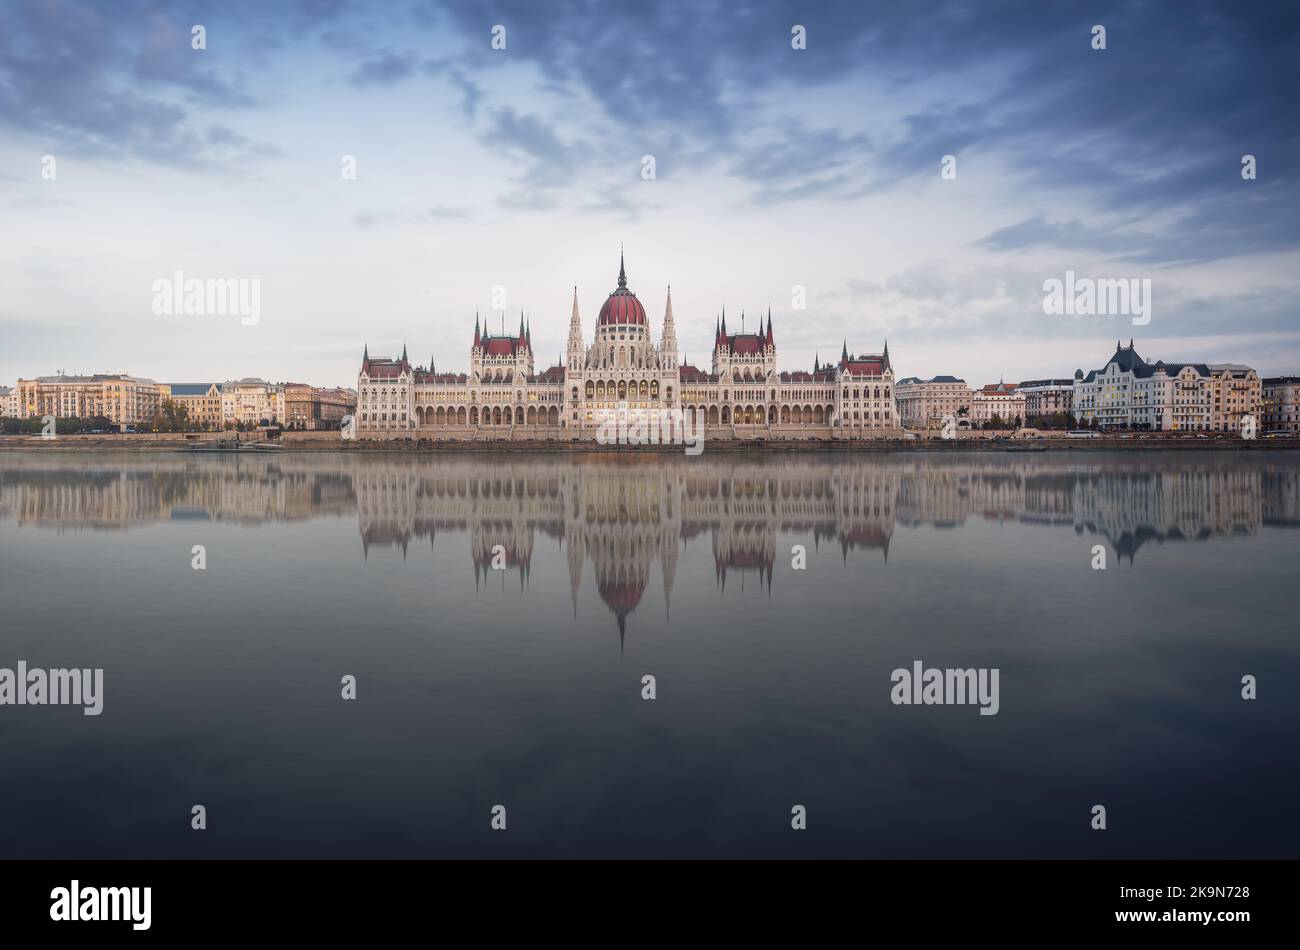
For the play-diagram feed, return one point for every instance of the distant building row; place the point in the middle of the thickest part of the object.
(1126, 393)
(129, 400)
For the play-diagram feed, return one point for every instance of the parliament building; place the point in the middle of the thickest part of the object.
(506, 395)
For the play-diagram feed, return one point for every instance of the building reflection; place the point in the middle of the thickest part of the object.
(629, 516)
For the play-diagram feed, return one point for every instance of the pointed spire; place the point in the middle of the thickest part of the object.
(576, 348)
(724, 321)
(521, 325)
(476, 334)
(622, 274)
(771, 340)
(887, 353)
(403, 352)
(668, 341)
(844, 354)
(816, 360)
(365, 355)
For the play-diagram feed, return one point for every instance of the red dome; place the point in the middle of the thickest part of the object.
(622, 307)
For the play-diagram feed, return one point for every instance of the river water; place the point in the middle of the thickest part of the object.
(499, 613)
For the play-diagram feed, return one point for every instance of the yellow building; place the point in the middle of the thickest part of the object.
(201, 401)
(252, 402)
(308, 408)
(1236, 391)
(122, 399)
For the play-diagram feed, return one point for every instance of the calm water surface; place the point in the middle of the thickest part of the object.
(522, 686)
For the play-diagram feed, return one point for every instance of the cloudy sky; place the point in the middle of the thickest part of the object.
(522, 168)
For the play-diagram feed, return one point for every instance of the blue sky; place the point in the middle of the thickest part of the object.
(522, 168)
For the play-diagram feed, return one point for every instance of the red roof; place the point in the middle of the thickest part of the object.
(622, 307)
(693, 374)
(746, 343)
(384, 369)
(868, 367)
(501, 346)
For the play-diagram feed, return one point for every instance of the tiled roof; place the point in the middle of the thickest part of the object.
(692, 374)
(1128, 361)
(384, 369)
(746, 343)
(872, 366)
(502, 345)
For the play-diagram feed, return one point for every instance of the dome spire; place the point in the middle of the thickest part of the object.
(622, 274)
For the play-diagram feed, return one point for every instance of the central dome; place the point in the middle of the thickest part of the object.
(622, 307)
